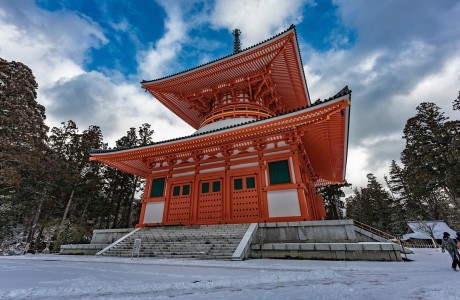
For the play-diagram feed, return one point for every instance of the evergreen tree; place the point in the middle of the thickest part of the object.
(456, 103)
(452, 176)
(397, 202)
(24, 154)
(77, 175)
(121, 186)
(359, 207)
(331, 195)
(22, 127)
(371, 205)
(425, 155)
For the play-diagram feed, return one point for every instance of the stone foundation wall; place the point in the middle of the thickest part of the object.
(328, 240)
(82, 249)
(108, 236)
(330, 231)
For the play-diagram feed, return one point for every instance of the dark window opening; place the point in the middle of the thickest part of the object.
(205, 187)
(238, 184)
(216, 186)
(250, 182)
(176, 190)
(186, 189)
(158, 186)
(279, 172)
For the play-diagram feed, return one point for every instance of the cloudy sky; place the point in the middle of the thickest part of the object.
(89, 56)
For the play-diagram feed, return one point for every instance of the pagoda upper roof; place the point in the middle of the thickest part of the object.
(278, 56)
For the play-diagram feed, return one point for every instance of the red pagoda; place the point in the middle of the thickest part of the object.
(260, 149)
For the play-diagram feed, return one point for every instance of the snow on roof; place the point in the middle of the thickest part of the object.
(223, 123)
(420, 230)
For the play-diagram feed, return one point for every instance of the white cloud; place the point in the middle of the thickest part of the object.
(56, 55)
(115, 107)
(157, 62)
(257, 19)
(404, 54)
(30, 35)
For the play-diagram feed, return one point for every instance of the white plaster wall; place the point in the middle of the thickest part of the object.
(242, 158)
(212, 170)
(277, 152)
(186, 167)
(183, 174)
(254, 164)
(154, 212)
(159, 171)
(283, 203)
(213, 163)
(282, 144)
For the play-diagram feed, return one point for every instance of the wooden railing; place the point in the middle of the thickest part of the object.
(373, 230)
(236, 110)
(381, 233)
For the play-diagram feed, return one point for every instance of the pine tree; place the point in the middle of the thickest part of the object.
(398, 199)
(371, 205)
(452, 176)
(121, 186)
(331, 195)
(425, 155)
(76, 174)
(456, 103)
(359, 207)
(23, 150)
(22, 127)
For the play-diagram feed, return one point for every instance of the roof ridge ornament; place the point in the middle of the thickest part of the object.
(342, 92)
(236, 42)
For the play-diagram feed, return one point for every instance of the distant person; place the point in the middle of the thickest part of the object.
(458, 241)
(451, 247)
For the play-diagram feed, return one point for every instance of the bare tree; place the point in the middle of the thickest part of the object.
(428, 228)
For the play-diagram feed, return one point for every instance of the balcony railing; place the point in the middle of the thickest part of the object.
(237, 111)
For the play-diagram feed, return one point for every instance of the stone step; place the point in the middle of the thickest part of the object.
(180, 248)
(207, 245)
(197, 240)
(172, 254)
(194, 236)
(203, 242)
(187, 242)
(187, 239)
(195, 231)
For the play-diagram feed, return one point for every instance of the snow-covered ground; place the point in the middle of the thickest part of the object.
(428, 276)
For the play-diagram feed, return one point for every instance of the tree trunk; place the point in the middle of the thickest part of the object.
(31, 233)
(64, 217)
(455, 200)
(117, 210)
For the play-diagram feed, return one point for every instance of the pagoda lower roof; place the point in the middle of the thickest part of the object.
(279, 57)
(325, 139)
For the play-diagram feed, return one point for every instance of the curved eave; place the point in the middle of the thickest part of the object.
(326, 145)
(325, 140)
(281, 51)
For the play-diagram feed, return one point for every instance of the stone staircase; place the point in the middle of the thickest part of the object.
(203, 242)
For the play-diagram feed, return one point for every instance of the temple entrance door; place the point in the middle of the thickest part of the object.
(210, 201)
(245, 198)
(179, 203)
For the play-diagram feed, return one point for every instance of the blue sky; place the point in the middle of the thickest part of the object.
(89, 57)
(136, 26)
